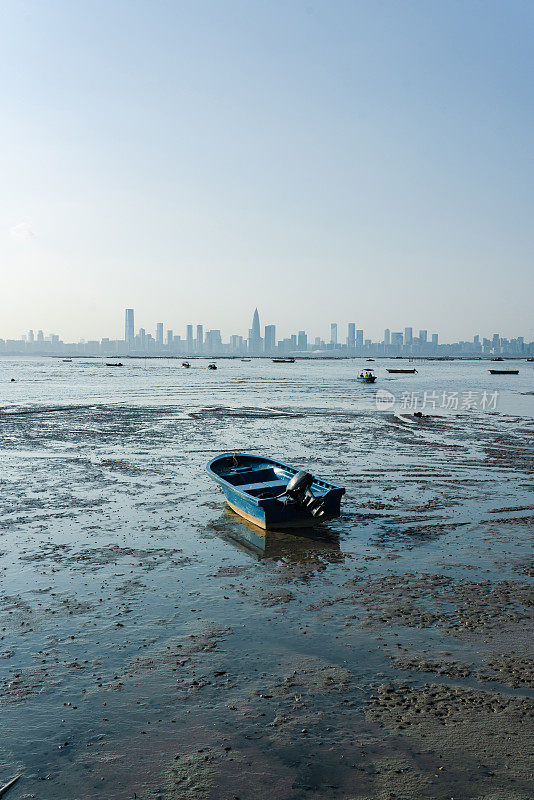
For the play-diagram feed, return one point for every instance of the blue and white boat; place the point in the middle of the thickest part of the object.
(271, 494)
(366, 376)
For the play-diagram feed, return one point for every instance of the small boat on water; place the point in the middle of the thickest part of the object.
(186, 364)
(283, 360)
(271, 494)
(404, 371)
(67, 360)
(212, 366)
(497, 358)
(246, 359)
(530, 359)
(366, 376)
(504, 371)
(118, 364)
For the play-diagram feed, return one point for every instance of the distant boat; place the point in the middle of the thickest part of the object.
(283, 360)
(370, 359)
(530, 359)
(245, 359)
(67, 360)
(405, 371)
(118, 364)
(271, 494)
(504, 371)
(366, 376)
(186, 364)
(212, 366)
(497, 358)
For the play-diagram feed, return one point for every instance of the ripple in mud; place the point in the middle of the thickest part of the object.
(457, 607)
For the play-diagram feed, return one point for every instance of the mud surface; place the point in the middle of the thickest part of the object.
(152, 645)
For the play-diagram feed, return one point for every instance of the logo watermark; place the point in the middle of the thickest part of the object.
(449, 401)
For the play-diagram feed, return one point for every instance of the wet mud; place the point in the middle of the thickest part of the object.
(152, 645)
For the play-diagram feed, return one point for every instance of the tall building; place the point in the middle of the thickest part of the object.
(397, 338)
(40, 337)
(333, 333)
(169, 338)
(129, 325)
(423, 337)
(200, 338)
(236, 343)
(351, 336)
(213, 341)
(434, 340)
(31, 337)
(387, 337)
(270, 338)
(408, 336)
(302, 340)
(359, 338)
(189, 338)
(159, 333)
(254, 344)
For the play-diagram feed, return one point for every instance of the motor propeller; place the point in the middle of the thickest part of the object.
(298, 489)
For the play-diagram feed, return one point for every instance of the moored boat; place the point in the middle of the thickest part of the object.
(504, 371)
(212, 366)
(283, 360)
(271, 494)
(118, 364)
(186, 364)
(404, 371)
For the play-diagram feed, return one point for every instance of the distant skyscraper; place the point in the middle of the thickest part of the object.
(159, 333)
(40, 337)
(397, 337)
(200, 338)
(359, 338)
(302, 340)
(31, 337)
(270, 338)
(189, 338)
(333, 333)
(408, 336)
(423, 336)
(351, 337)
(435, 339)
(169, 338)
(129, 325)
(254, 344)
(387, 336)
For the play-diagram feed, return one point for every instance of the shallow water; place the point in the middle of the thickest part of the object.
(144, 628)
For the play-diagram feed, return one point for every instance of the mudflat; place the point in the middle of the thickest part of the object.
(153, 645)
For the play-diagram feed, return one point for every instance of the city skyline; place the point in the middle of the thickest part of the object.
(198, 341)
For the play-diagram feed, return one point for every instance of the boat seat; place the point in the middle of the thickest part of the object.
(251, 487)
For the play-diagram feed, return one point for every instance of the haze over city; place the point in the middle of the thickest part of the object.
(331, 161)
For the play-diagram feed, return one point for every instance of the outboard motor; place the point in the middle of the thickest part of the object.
(298, 489)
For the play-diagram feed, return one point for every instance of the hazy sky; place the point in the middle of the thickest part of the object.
(331, 160)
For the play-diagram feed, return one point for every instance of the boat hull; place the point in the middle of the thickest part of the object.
(366, 380)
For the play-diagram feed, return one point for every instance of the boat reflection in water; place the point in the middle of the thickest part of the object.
(309, 546)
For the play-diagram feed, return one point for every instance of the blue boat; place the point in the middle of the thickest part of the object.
(366, 376)
(271, 494)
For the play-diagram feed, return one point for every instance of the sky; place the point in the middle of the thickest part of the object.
(325, 160)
